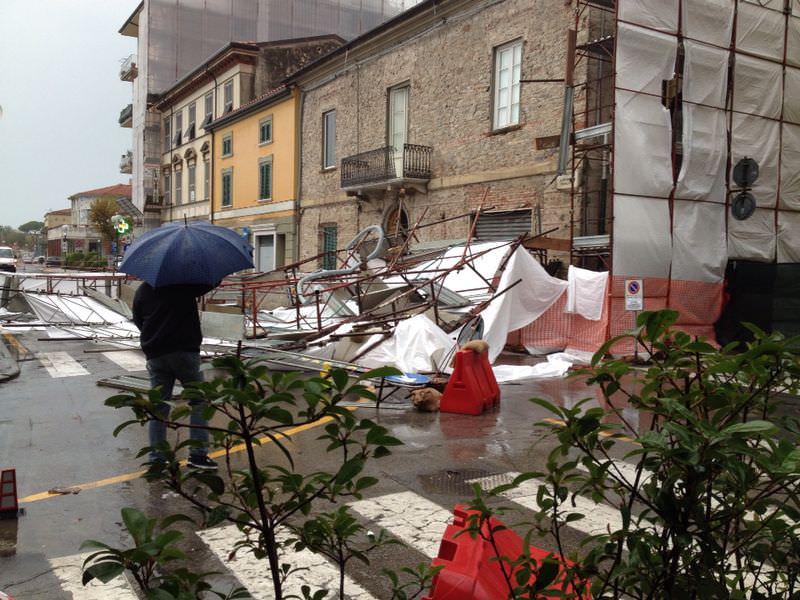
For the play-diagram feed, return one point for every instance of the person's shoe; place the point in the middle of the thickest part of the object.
(201, 462)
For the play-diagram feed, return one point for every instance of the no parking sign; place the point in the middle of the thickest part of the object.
(634, 294)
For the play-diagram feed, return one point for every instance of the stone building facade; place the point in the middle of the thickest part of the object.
(432, 81)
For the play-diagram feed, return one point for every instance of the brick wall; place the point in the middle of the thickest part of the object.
(449, 68)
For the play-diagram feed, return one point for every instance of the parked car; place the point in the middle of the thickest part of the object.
(39, 260)
(53, 261)
(8, 259)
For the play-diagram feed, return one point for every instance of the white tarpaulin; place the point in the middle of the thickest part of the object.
(699, 248)
(644, 58)
(642, 239)
(658, 14)
(793, 42)
(754, 238)
(417, 345)
(757, 87)
(705, 74)
(760, 31)
(586, 292)
(791, 107)
(709, 20)
(705, 154)
(757, 138)
(788, 237)
(523, 304)
(642, 146)
(790, 167)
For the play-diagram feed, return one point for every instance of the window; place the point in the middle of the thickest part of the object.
(227, 145)
(227, 187)
(265, 131)
(167, 188)
(398, 125)
(178, 187)
(167, 137)
(265, 178)
(206, 177)
(209, 109)
(329, 139)
(192, 182)
(227, 95)
(329, 234)
(507, 72)
(178, 139)
(190, 125)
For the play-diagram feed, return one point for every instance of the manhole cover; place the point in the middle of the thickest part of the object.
(460, 481)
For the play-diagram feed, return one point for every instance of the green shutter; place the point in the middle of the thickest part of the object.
(265, 177)
(329, 244)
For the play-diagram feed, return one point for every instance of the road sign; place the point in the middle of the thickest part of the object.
(634, 294)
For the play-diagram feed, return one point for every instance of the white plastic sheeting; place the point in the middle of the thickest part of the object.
(705, 74)
(760, 31)
(698, 241)
(644, 59)
(790, 167)
(642, 146)
(754, 238)
(793, 41)
(705, 154)
(791, 110)
(523, 304)
(757, 87)
(758, 138)
(586, 292)
(657, 14)
(642, 238)
(788, 237)
(709, 20)
(417, 345)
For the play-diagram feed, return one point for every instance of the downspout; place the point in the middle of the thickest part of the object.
(211, 178)
(299, 112)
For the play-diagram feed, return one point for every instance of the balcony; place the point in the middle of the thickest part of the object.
(126, 116)
(127, 69)
(126, 163)
(384, 168)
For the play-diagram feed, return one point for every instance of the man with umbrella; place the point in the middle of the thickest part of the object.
(179, 262)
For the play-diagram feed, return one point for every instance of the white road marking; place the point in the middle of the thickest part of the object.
(597, 517)
(254, 573)
(61, 364)
(409, 517)
(68, 569)
(130, 360)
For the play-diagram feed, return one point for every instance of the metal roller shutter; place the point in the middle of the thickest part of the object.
(504, 225)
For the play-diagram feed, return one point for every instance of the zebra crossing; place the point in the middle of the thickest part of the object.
(60, 364)
(415, 520)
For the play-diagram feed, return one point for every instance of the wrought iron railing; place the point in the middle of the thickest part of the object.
(382, 164)
(127, 69)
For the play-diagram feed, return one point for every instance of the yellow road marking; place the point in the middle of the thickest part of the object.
(12, 340)
(136, 474)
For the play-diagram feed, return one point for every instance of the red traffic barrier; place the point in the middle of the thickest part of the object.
(472, 387)
(9, 507)
(471, 571)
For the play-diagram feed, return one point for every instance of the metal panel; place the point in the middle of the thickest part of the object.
(504, 225)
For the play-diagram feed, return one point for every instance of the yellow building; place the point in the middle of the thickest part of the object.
(255, 175)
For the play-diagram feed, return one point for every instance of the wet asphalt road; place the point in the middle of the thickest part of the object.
(57, 433)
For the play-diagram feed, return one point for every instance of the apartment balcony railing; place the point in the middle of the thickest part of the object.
(127, 69)
(126, 116)
(384, 166)
(126, 163)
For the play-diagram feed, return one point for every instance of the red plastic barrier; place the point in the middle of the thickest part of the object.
(8, 493)
(469, 390)
(470, 573)
(490, 378)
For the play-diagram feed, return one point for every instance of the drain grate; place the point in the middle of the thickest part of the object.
(451, 481)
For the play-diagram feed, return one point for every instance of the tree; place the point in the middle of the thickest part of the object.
(100, 213)
(31, 227)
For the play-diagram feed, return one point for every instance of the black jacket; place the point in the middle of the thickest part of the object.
(167, 318)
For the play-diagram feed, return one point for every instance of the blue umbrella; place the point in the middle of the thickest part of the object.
(194, 252)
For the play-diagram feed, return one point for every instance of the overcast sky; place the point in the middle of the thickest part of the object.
(61, 97)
